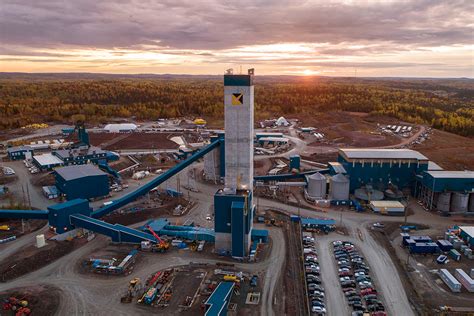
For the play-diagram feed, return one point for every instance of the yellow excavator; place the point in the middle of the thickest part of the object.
(133, 288)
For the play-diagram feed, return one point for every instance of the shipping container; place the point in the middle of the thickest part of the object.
(424, 248)
(464, 279)
(450, 280)
(444, 245)
(453, 253)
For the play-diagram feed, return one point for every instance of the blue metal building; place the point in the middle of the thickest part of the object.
(79, 156)
(19, 153)
(379, 167)
(446, 191)
(455, 181)
(82, 181)
(233, 221)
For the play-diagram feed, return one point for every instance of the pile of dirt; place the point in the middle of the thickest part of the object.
(30, 258)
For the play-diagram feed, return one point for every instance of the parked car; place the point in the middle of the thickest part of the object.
(318, 310)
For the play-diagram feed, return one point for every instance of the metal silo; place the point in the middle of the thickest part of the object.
(459, 202)
(471, 203)
(316, 185)
(339, 185)
(443, 203)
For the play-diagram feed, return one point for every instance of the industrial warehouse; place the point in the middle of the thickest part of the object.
(228, 210)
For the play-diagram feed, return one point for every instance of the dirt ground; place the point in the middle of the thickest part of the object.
(196, 279)
(31, 258)
(425, 290)
(111, 251)
(115, 141)
(43, 300)
(290, 293)
(143, 210)
(450, 151)
(351, 129)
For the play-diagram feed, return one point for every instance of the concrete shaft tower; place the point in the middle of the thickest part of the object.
(233, 205)
(239, 120)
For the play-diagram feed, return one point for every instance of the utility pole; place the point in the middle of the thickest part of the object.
(28, 195)
(24, 195)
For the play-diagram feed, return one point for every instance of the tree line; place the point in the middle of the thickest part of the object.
(23, 102)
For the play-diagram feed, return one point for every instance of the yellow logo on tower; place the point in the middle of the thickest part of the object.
(237, 98)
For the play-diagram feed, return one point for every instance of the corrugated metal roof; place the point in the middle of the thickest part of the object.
(337, 167)
(373, 153)
(120, 127)
(19, 148)
(468, 230)
(434, 166)
(387, 204)
(217, 300)
(47, 160)
(318, 221)
(274, 139)
(451, 174)
(79, 171)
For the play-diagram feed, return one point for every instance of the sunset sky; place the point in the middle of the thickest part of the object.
(418, 38)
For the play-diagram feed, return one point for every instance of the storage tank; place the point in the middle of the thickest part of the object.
(471, 203)
(339, 185)
(443, 202)
(368, 193)
(40, 241)
(316, 185)
(459, 202)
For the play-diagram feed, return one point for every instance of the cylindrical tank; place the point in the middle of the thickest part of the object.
(443, 203)
(471, 203)
(459, 202)
(40, 241)
(316, 185)
(339, 185)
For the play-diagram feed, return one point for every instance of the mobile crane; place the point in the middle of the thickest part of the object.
(162, 245)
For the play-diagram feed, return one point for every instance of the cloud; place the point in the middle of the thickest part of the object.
(219, 25)
(216, 31)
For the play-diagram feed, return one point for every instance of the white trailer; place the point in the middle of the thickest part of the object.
(464, 279)
(450, 280)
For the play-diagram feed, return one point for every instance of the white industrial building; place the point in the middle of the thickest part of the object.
(120, 128)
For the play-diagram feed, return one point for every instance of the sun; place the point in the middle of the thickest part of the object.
(309, 72)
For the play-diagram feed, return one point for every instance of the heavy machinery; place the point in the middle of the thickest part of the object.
(4, 227)
(133, 288)
(162, 245)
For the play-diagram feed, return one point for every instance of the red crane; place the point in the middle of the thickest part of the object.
(161, 242)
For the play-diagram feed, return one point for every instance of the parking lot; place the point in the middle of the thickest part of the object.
(314, 285)
(355, 280)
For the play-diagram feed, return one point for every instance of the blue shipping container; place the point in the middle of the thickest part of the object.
(444, 245)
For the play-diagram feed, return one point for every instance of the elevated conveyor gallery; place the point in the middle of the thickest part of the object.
(73, 214)
(144, 189)
(118, 233)
(25, 214)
